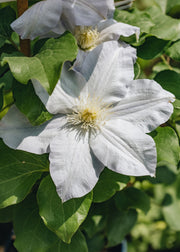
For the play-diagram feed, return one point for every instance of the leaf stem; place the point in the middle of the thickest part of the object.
(166, 62)
(22, 6)
(8, 105)
(12, 42)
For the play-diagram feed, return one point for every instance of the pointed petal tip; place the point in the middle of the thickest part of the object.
(153, 175)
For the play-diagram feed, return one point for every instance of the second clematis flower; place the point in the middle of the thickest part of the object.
(50, 18)
(97, 123)
(88, 37)
(89, 21)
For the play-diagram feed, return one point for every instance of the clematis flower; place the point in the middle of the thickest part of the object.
(52, 17)
(81, 18)
(97, 123)
(88, 37)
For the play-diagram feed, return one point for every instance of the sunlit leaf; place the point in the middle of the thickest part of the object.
(62, 218)
(47, 64)
(19, 171)
(29, 103)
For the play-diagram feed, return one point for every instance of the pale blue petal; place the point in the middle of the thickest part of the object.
(146, 105)
(100, 62)
(73, 167)
(113, 69)
(18, 133)
(86, 12)
(66, 92)
(125, 149)
(112, 30)
(39, 20)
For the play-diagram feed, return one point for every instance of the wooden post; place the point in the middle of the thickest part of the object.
(22, 6)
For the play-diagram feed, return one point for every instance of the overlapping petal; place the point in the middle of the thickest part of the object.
(66, 91)
(50, 18)
(112, 71)
(110, 58)
(39, 20)
(18, 133)
(73, 167)
(124, 148)
(112, 30)
(86, 12)
(146, 105)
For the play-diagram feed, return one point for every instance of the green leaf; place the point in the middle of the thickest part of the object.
(165, 27)
(119, 225)
(165, 173)
(12, 4)
(38, 45)
(167, 145)
(3, 70)
(2, 41)
(175, 11)
(6, 80)
(19, 171)
(31, 233)
(162, 5)
(161, 66)
(6, 214)
(78, 244)
(96, 219)
(8, 50)
(109, 182)
(171, 206)
(96, 243)
(168, 5)
(47, 64)
(169, 80)
(1, 97)
(152, 48)
(5, 84)
(176, 114)
(174, 51)
(151, 21)
(62, 218)
(172, 5)
(7, 102)
(7, 16)
(178, 128)
(137, 18)
(29, 103)
(132, 198)
(137, 71)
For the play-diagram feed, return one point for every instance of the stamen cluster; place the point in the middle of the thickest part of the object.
(90, 112)
(87, 37)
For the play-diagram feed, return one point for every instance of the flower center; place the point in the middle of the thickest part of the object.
(86, 37)
(88, 116)
(90, 113)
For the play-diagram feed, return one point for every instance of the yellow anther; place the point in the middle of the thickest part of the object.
(87, 37)
(90, 113)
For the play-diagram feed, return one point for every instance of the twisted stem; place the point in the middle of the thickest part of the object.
(22, 6)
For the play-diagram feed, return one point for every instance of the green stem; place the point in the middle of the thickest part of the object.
(12, 42)
(8, 105)
(166, 62)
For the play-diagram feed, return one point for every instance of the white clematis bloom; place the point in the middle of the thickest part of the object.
(97, 123)
(88, 37)
(52, 17)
